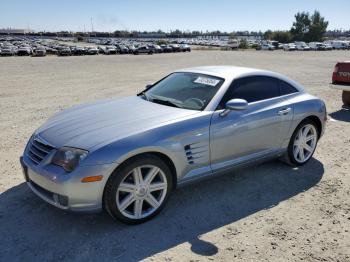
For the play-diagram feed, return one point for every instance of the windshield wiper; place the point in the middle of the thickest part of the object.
(165, 102)
(143, 93)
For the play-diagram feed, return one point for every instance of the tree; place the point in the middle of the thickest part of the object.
(309, 28)
(318, 27)
(268, 35)
(282, 36)
(243, 44)
(301, 26)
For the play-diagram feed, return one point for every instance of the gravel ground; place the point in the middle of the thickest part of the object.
(269, 212)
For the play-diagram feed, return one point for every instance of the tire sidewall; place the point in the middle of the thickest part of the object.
(109, 198)
(291, 142)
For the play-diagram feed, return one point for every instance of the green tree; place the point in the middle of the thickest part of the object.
(318, 27)
(301, 26)
(243, 44)
(309, 28)
(282, 36)
(268, 35)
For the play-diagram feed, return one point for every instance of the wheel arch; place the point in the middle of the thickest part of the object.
(168, 161)
(317, 121)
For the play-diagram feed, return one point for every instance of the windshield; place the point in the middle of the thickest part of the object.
(184, 90)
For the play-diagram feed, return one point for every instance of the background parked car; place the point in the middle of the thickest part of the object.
(112, 50)
(143, 50)
(50, 50)
(267, 47)
(327, 47)
(92, 50)
(317, 46)
(103, 50)
(24, 51)
(166, 48)
(78, 50)
(185, 48)
(64, 51)
(289, 47)
(39, 51)
(341, 80)
(155, 48)
(8, 51)
(342, 45)
(122, 49)
(302, 46)
(176, 47)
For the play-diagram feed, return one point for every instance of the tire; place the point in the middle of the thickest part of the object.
(121, 204)
(292, 156)
(346, 98)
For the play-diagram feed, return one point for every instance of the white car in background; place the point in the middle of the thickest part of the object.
(289, 47)
(316, 46)
(302, 46)
(339, 44)
(327, 46)
(267, 47)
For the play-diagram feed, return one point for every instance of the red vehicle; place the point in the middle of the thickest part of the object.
(341, 80)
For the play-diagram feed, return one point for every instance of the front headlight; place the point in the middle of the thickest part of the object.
(68, 157)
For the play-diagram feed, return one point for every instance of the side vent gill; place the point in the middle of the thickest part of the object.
(195, 152)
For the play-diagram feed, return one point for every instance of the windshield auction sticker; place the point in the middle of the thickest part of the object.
(206, 81)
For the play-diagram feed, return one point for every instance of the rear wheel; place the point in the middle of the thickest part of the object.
(302, 144)
(346, 98)
(138, 190)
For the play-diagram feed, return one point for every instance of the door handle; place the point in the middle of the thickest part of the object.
(284, 111)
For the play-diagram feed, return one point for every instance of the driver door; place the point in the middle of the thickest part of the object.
(244, 135)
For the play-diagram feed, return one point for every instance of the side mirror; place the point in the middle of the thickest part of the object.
(149, 86)
(234, 104)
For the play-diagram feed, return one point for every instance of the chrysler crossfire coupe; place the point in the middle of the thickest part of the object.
(126, 155)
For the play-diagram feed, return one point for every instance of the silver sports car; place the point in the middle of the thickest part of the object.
(126, 155)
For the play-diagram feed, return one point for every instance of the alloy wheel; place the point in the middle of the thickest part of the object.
(141, 192)
(305, 143)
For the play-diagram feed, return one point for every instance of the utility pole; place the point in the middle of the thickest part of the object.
(92, 26)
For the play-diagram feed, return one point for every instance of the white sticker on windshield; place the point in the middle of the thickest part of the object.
(206, 81)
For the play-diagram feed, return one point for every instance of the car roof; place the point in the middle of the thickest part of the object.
(229, 73)
(222, 71)
(234, 72)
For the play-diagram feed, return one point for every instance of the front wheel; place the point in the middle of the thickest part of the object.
(138, 190)
(302, 144)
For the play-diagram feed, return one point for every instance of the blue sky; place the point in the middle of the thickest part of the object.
(108, 15)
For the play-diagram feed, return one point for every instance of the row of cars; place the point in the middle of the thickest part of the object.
(302, 46)
(122, 49)
(44, 47)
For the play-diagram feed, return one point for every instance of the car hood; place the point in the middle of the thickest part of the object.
(90, 125)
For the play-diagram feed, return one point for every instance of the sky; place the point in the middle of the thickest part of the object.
(151, 15)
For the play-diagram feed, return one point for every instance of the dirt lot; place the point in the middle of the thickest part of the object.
(269, 212)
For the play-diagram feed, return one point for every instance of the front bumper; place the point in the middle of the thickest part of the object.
(66, 191)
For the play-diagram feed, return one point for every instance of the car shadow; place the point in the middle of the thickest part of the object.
(33, 230)
(341, 115)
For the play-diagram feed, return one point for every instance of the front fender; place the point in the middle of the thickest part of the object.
(169, 140)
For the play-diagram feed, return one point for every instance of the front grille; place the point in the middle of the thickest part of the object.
(38, 150)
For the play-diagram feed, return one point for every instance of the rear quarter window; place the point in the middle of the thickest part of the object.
(285, 88)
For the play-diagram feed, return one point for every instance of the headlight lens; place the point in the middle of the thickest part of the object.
(69, 158)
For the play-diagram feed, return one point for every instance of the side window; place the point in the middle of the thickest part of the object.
(252, 89)
(286, 88)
